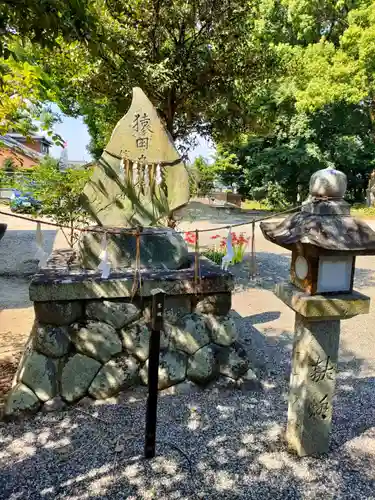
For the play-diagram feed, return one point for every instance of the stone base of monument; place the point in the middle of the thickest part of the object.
(91, 337)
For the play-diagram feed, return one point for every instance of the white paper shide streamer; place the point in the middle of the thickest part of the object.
(158, 177)
(146, 174)
(104, 264)
(228, 257)
(122, 170)
(40, 254)
(135, 173)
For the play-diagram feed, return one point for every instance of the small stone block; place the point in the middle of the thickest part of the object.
(339, 306)
(52, 340)
(136, 340)
(77, 376)
(219, 304)
(107, 381)
(203, 366)
(234, 362)
(20, 400)
(40, 374)
(172, 369)
(97, 340)
(223, 330)
(190, 334)
(116, 314)
(58, 313)
(55, 404)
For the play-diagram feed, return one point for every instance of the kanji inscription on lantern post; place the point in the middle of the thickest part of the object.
(312, 384)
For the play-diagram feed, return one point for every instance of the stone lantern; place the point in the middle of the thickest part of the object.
(324, 239)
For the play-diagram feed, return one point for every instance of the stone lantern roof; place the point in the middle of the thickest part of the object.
(324, 220)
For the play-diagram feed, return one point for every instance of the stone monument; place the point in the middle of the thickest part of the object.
(92, 329)
(324, 240)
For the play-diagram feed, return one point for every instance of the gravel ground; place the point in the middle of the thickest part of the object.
(232, 440)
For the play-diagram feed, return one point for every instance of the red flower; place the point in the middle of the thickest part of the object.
(242, 240)
(190, 237)
(215, 236)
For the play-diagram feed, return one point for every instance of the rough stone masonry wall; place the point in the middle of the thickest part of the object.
(98, 347)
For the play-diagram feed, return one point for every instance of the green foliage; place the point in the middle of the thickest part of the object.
(197, 61)
(9, 165)
(363, 211)
(301, 143)
(59, 194)
(202, 177)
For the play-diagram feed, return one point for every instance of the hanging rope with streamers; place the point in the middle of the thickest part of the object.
(122, 171)
(159, 176)
(197, 267)
(137, 282)
(228, 257)
(104, 264)
(40, 254)
(253, 262)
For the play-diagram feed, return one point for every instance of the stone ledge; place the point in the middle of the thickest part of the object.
(62, 279)
(322, 307)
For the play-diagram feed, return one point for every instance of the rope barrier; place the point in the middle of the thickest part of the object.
(134, 230)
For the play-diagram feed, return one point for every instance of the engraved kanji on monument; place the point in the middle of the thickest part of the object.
(140, 177)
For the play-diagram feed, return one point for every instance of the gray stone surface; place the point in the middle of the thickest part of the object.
(233, 361)
(328, 182)
(59, 281)
(175, 308)
(96, 339)
(249, 381)
(218, 304)
(190, 334)
(113, 201)
(172, 369)
(58, 313)
(161, 248)
(54, 404)
(107, 381)
(116, 314)
(52, 340)
(184, 388)
(223, 329)
(312, 385)
(39, 373)
(21, 399)
(77, 376)
(136, 339)
(203, 366)
(114, 375)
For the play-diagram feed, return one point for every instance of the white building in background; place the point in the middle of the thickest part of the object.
(65, 163)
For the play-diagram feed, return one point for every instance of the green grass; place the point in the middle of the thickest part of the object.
(363, 211)
(255, 205)
(358, 210)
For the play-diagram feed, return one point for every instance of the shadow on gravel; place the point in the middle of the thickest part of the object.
(233, 439)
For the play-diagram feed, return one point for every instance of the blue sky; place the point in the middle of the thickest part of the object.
(75, 133)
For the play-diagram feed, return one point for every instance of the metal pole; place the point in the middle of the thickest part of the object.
(153, 371)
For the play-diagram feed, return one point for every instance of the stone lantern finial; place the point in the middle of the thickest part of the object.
(328, 183)
(326, 193)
